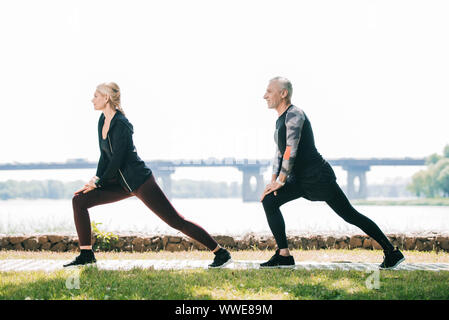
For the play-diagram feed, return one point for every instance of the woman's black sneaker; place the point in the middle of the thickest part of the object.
(222, 259)
(278, 261)
(86, 257)
(392, 259)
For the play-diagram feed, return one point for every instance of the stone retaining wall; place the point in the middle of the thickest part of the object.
(140, 243)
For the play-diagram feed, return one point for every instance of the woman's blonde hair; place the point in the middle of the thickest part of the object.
(113, 91)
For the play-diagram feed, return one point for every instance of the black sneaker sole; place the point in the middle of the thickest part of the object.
(221, 266)
(279, 267)
(90, 264)
(392, 267)
(291, 266)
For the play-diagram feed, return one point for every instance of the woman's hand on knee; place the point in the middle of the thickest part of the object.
(87, 187)
(80, 190)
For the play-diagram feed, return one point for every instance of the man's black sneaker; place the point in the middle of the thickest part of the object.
(86, 257)
(392, 259)
(222, 259)
(278, 261)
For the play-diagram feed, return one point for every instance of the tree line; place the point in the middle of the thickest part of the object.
(433, 181)
(54, 189)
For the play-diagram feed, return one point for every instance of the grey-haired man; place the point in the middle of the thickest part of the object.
(299, 170)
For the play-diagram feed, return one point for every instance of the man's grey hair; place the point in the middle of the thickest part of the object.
(285, 84)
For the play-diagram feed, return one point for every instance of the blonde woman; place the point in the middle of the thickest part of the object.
(122, 174)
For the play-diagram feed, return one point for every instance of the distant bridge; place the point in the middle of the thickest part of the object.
(251, 169)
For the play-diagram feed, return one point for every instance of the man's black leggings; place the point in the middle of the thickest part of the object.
(339, 203)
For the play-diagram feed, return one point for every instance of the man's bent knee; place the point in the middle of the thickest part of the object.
(269, 202)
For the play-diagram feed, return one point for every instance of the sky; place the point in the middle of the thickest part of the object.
(372, 76)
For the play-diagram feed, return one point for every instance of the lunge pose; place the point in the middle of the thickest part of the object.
(122, 174)
(300, 171)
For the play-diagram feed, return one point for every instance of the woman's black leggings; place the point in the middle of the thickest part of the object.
(151, 195)
(339, 203)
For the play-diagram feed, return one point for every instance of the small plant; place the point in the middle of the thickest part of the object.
(104, 240)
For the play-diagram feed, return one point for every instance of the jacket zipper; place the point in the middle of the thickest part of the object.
(110, 147)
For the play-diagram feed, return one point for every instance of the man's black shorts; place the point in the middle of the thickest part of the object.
(316, 183)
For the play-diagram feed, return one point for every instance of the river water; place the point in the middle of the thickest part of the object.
(217, 216)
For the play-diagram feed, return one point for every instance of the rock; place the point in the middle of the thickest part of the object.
(59, 247)
(164, 241)
(199, 246)
(147, 242)
(72, 247)
(66, 240)
(424, 244)
(376, 245)
(443, 243)
(46, 246)
(130, 239)
(294, 241)
(187, 245)
(4, 242)
(120, 243)
(138, 245)
(156, 244)
(399, 242)
(313, 243)
(342, 244)
(31, 244)
(156, 240)
(18, 247)
(264, 243)
(55, 238)
(42, 239)
(137, 241)
(225, 241)
(321, 243)
(262, 246)
(419, 244)
(139, 248)
(17, 239)
(394, 241)
(410, 243)
(174, 247)
(355, 242)
(249, 241)
(272, 244)
(330, 242)
(174, 239)
(304, 243)
(367, 243)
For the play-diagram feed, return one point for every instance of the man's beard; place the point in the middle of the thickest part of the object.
(274, 105)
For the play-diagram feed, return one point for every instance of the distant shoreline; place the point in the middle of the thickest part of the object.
(440, 202)
(408, 202)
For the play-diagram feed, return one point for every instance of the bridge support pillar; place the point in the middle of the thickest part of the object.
(249, 193)
(357, 172)
(163, 178)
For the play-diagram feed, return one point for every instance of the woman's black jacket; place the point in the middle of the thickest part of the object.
(120, 161)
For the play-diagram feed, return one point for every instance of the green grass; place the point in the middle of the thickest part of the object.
(226, 283)
(200, 284)
(410, 202)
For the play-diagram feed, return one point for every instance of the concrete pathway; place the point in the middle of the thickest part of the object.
(53, 265)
